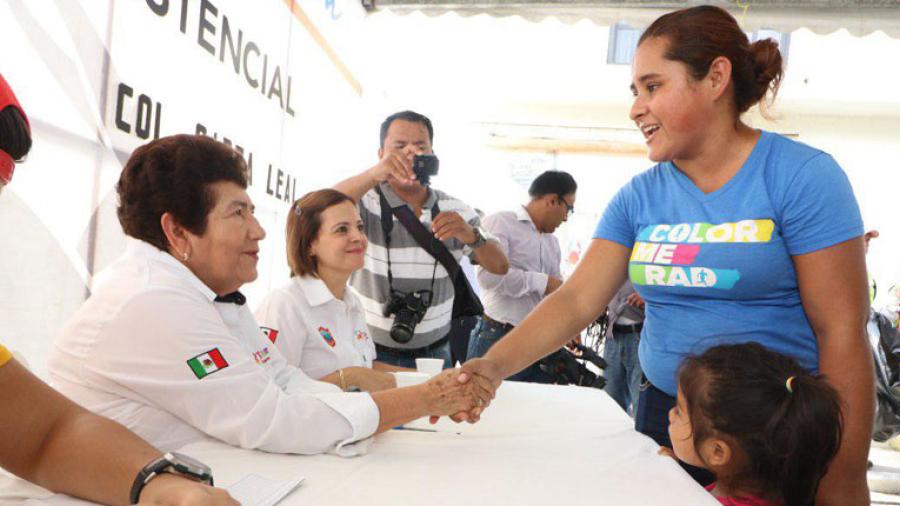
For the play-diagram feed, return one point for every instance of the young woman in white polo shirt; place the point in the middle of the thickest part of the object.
(315, 320)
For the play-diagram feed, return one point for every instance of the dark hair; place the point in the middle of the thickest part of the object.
(15, 136)
(303, 223)
(173, 175)
(699, 35)
(552, 182)
(406, 116)
(787, 437)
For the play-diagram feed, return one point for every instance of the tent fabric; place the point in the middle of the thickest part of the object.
(860, 17)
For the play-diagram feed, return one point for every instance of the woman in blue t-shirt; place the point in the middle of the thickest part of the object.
(735, 235)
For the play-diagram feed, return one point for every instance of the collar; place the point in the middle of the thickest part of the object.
(522, 215)
(232, 298)
(142, 249)
(317, 293)
(395, 201)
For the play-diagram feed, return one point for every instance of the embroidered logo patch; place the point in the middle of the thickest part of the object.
(326, 335)
(361, 335)
(262, 356)
(207, 363)
(271, 334)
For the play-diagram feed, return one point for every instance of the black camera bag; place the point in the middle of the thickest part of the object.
(465, 302)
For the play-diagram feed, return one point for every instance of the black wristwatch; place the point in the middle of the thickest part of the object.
(174, 463)
(479, 239)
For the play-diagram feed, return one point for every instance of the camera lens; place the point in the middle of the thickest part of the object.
(409, 309)
(402, 333)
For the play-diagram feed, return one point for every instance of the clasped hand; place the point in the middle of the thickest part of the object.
(449, 393)
(479, 379)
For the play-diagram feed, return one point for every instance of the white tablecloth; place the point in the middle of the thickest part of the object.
(536, 444)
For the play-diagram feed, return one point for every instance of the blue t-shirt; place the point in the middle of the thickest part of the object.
(716, 268)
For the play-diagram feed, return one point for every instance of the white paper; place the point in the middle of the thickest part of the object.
(254, 490)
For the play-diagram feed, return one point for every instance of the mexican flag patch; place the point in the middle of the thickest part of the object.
(271, 334)
(207, 363)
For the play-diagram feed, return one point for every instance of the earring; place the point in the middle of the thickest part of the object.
(185, 256)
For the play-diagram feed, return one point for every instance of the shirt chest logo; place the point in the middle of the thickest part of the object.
(271, 334)
(262, 356)
(666, 255)
(207, 363)
(362, 335)
(326, 335)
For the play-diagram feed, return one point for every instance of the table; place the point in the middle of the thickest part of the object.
(536, 444)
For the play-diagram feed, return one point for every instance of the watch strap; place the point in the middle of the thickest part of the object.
(169, 463)
(144, 476)
(480, 239)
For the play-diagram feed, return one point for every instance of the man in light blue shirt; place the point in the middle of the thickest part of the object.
(526, 237)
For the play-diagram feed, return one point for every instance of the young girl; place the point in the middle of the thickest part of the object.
(757, 420)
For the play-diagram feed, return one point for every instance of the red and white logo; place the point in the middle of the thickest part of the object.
(271, 334)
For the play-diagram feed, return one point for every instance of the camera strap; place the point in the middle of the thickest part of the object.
(387, 225)
(466, 302)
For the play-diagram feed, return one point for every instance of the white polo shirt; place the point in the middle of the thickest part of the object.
(533, 257)
(153, 350)
(314, 330)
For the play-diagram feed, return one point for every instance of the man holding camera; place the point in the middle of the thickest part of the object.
(526, 236)
(407, 291)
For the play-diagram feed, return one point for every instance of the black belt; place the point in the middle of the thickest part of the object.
(505, 326)
(634, 328)
(412, 352)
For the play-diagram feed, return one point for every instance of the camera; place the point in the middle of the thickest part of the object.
(425, 166)
(409, 308)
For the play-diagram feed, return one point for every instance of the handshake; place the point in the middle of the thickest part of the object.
(462, 393)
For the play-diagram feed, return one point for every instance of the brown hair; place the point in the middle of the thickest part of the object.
(173, 175)
(303, 223)
(699, 35)
(785, 437)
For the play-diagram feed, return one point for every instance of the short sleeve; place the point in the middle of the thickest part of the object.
(818, 208)
(281, 321)
(365, 204)
(616, 224)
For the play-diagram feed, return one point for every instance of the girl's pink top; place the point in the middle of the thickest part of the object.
(742, 501)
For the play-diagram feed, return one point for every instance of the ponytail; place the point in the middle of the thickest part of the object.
(764, 73)
(803, 436)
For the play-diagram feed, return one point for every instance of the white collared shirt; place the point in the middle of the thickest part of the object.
(533, 256)
(152, 350)
(314, 330)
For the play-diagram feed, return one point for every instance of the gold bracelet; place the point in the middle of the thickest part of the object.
(341, 376)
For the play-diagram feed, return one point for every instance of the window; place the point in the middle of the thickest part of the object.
(783, 39)
(623, 41)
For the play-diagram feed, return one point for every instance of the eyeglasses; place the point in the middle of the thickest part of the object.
(570, 209)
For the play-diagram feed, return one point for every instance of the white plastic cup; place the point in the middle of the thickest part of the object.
(410, 378)
(430, 366)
